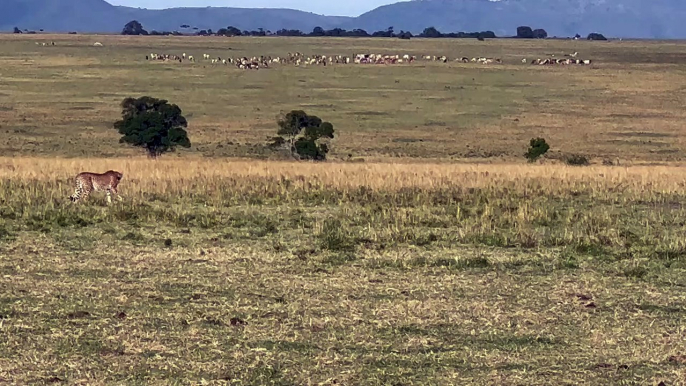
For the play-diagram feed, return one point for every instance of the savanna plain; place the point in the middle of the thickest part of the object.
(424, 251)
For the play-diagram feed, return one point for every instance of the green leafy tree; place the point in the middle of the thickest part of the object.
(303, 133)
(596, 36)
(152, 124)
(133, 28)
(537, 147)
(405, 35)
(540, 33)
(431, 32)
(318, 31)
(525, 32)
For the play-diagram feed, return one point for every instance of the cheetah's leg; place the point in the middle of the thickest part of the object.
(76, 196)
(116, 193)
(109, 196)
(84, 194)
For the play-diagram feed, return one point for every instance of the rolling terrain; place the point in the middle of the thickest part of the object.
(98, 16)
(659, 19)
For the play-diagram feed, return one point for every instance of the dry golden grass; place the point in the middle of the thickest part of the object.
(145, 176)
(292, 273)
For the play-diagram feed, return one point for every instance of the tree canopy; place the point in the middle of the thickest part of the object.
(540, 33)
(596, 36)
(134, 28)
(525, 32)
(303, 133)
(537, 147)
(152, 124)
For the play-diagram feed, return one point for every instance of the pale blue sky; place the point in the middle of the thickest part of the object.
(325, 7)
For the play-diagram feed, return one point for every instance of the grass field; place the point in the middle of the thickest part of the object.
(438, 258)
(62, 100)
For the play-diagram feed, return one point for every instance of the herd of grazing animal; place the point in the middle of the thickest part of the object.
(570, 59)
(552, 61)
(253, 63)
(299, 59)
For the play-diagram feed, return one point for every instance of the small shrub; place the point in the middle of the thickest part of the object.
(577, 160)
(308, 149)
(422, 240)
(537, 147)
(587, 248)
(133, 236)
(567, 261)
(475, 262)
(340, 258)
(333, 237)
(636, 272)
(4, 233)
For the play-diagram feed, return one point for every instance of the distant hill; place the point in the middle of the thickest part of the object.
(613, 18)
(61, 15)
(242, 18)
(100, 16)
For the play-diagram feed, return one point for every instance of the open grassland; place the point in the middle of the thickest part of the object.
(410, 266)
(63, 99)
(289, 274)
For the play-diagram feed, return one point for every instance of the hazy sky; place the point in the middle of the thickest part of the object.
(325, 7)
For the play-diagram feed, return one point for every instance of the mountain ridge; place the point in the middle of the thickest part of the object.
(617, 18)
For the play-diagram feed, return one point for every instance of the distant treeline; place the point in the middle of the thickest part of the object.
(430, 32)
(523, 32)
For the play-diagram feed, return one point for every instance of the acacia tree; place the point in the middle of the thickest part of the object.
(133, 28)
(303, 132)
(152, 124)
(596, 36)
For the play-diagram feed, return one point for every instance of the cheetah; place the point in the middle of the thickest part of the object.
(87, 182)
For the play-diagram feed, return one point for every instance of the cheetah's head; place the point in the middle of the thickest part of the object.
(116, 174)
